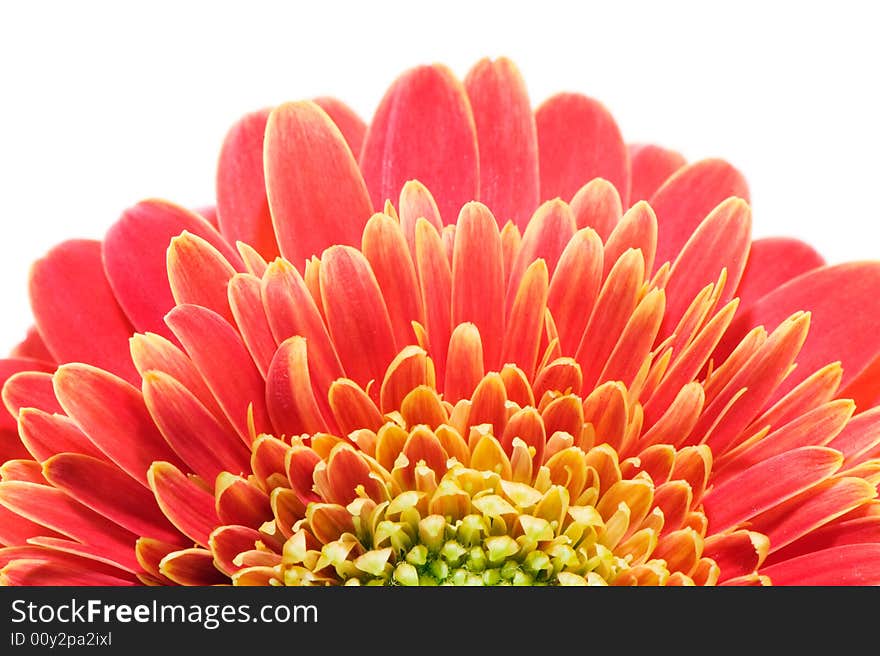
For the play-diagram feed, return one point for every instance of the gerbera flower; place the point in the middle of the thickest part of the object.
(497, 347)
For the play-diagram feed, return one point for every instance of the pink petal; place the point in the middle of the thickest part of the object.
(46, 434)
(772, 262)
(200, 441)
(242, 207)
(852, 564)
(767, 484)
(685, 199)
(478, 278)
(507, 138)
(246, 303)
(199, 274)
(100, 403)
(351, 125)
(109, 492)
(76, 311)
(423, 129)
(186, 504)
(289, 395)
(134, 253)
(28, 389)
(721, 241)
(316, 193)
(843, 301)
(216, 349)
(651, 166)
(37, 572)
(578, 140)
(356, 314)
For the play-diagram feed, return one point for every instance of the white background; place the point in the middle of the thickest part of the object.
(105, 104)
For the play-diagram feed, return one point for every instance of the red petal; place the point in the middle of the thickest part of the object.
(199, 274)
(76, 311)
(135, 251)
(650, 167)
(10, 367)
(435, 284)
(772, 262)
(242, 207)
(852, 564)
(216, 350)
(351, 125)
(687, 197)
(548, 233)
(526, 322)
(186, 504)
(32, 346)
(844, 301)
(289, 394)
(356, 314)
(316, 193)
(38, 572)
(597, 205)
(478, 278)
(246, 303)
(205, 445)
(767, 484)
(109, 492)
(507, 138)
(46, 434)
(423, 129)
(464, 363)
(721, 241)
(578, 140)
(416, 202)
(575, 287)
(28, 389)
(385, 248)
(54, 509)
(100, 404)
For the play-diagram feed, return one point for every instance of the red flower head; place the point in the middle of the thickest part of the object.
(470, 343)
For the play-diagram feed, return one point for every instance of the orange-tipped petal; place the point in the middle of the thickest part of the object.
(46, 434)
(435, 284)
(610, 314)
(772, 262)
(721, 241)
(416, 202)
(351, 125)
(758, 377)
(574, 287)
(464, 363)
(109, 492)
(135, 255)
(76, 311)
(291, 310)
(385, 248)
(650, 167)
(489, 404)
(186, 504)
(246, 303)
(423, 129)
(636, 229)
(687, 197)
(100, 403)
(526, 321)
(737, 553)
(57, 511)
(242, 206)
(239, 502)
(254, 263)
(203, 443)
(635, 342)
(830, 293)
(859, 437)
(317, 196)
(549, 231)
(25, 383)
(352, 408)
(357, 315)
(478, 278)
(409, 369)
(578, 140)
(290, 397)
(597, 205)
(191, 567)
(206, 336)
(606, 409)
(507, 138)
(151, 352)
(346, 472)
(199, 274)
